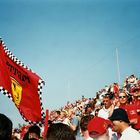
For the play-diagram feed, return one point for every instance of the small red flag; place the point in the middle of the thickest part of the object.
(22, 86)
(46, 123)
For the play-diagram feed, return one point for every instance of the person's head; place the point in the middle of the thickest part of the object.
(71, 113)
(63, 114)
(16, 133)
(84, 122)
(88, 109)
(123, 98)
(60, 131)
(119, 120)
(136, 93)
(98, 128)
(34, 132)
(57, 114)
(107, 100)
(5, 127)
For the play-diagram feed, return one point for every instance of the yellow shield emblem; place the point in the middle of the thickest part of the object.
(16, 91)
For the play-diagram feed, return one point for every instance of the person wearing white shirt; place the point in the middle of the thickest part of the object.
(121, 122)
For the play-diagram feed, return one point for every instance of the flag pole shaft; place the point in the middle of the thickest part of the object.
(46, 123)
(118, 68)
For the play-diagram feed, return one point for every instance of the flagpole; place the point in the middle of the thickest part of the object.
(46, 123)
(68, 91)
(118, 68)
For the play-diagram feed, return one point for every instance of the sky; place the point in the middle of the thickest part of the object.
(72, 45)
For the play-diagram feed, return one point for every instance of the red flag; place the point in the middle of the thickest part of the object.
(21, 85)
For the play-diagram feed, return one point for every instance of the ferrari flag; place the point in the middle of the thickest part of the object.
(21, 85)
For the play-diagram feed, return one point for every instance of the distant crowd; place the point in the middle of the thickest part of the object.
(114, 114)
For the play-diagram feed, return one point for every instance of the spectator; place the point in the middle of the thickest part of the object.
(107, 111)
(33, 132)
(136, 97)
(57, 118)
(16, 134)
(5, 127)
(64, 117)
(83, 126)
(108, 107)
(74, 123)
(60, 131)
(98, 128)
(124, 98)
(136, 103)
(130, 108)
(120, 122)
(89, 109)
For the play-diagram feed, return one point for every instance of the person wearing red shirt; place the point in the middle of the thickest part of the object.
(129, 108)
(136, 102)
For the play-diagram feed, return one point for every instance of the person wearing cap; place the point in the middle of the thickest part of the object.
(135, 91)
(136, 96)
(98, 128)
(121, 125)
(136, 102)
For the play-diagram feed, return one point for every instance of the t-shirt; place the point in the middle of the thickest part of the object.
(132, 113)
(130, 134)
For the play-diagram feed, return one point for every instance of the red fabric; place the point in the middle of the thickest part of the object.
(137, 104)
(22, 84)
(24, 130)
(98, 126)
(131, 111)
(132, 114)
(116, 89)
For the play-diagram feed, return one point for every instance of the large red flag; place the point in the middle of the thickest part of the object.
(21, 85)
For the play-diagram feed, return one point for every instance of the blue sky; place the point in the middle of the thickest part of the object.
(72, 45)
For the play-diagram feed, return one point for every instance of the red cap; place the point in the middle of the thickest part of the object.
(98, 126)
(133, 89)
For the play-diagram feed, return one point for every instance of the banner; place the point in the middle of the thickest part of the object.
(21, 85)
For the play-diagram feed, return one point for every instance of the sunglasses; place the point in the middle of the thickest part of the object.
(122, 97)
(137, 96)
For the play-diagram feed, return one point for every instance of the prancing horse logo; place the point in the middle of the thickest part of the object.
(16, 91)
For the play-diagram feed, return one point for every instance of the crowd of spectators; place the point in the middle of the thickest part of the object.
(125, 96)
(90, 118)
